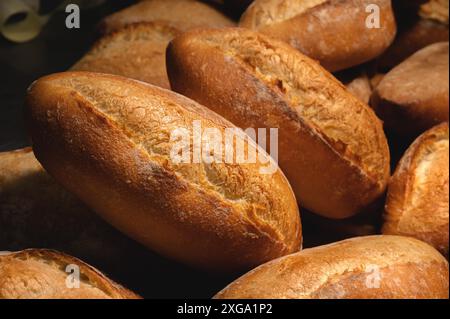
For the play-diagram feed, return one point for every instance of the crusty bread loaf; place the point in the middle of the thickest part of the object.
(417, 203)
(331, 145)
(413, 97)
(335, 32)
(137, 51)
(181, 14)
(43, 274)
(35, 211)
(108, 139)
(383, 267)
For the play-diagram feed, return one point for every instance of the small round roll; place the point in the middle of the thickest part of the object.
(48, 274)
(417, 202)
(374, 267)
(110, 140)
(338, 33)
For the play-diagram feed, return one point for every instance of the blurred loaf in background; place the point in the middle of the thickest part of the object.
(137, 51)
(180, 14)
(414, 96)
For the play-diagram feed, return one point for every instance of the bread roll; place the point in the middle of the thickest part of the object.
(137, 51)
(108, 139)
(44, 274)
(331, 145)
(335, 32)
(375, 267)
(417, 203)
(181, 14)
(413, 97)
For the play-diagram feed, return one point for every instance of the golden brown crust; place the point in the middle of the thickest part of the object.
(42, 274)
(413, 97)
(181, 14)
(136, 51)
(281, 88)
(331, 31)
(107, 139)
(384, 267)
(417, 203)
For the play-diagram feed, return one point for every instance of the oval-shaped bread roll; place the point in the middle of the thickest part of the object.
(331, 145)
(413, 97)
(417, 202)
(338, 33)
(181, 14)
(110, 140)
(48, 274)
(137, 51)
(374, 267)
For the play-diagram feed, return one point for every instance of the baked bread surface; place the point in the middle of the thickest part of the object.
(181, 14)
(331, 145)
(374, 267)
(136, 51)
(108, 140)
(418, 193)
(334, 32)
(414, 96)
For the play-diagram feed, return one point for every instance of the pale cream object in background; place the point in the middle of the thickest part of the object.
(32, 22)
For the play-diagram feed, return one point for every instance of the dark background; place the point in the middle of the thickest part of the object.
(55, 50)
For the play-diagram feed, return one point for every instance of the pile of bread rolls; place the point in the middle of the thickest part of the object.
(356, 88)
